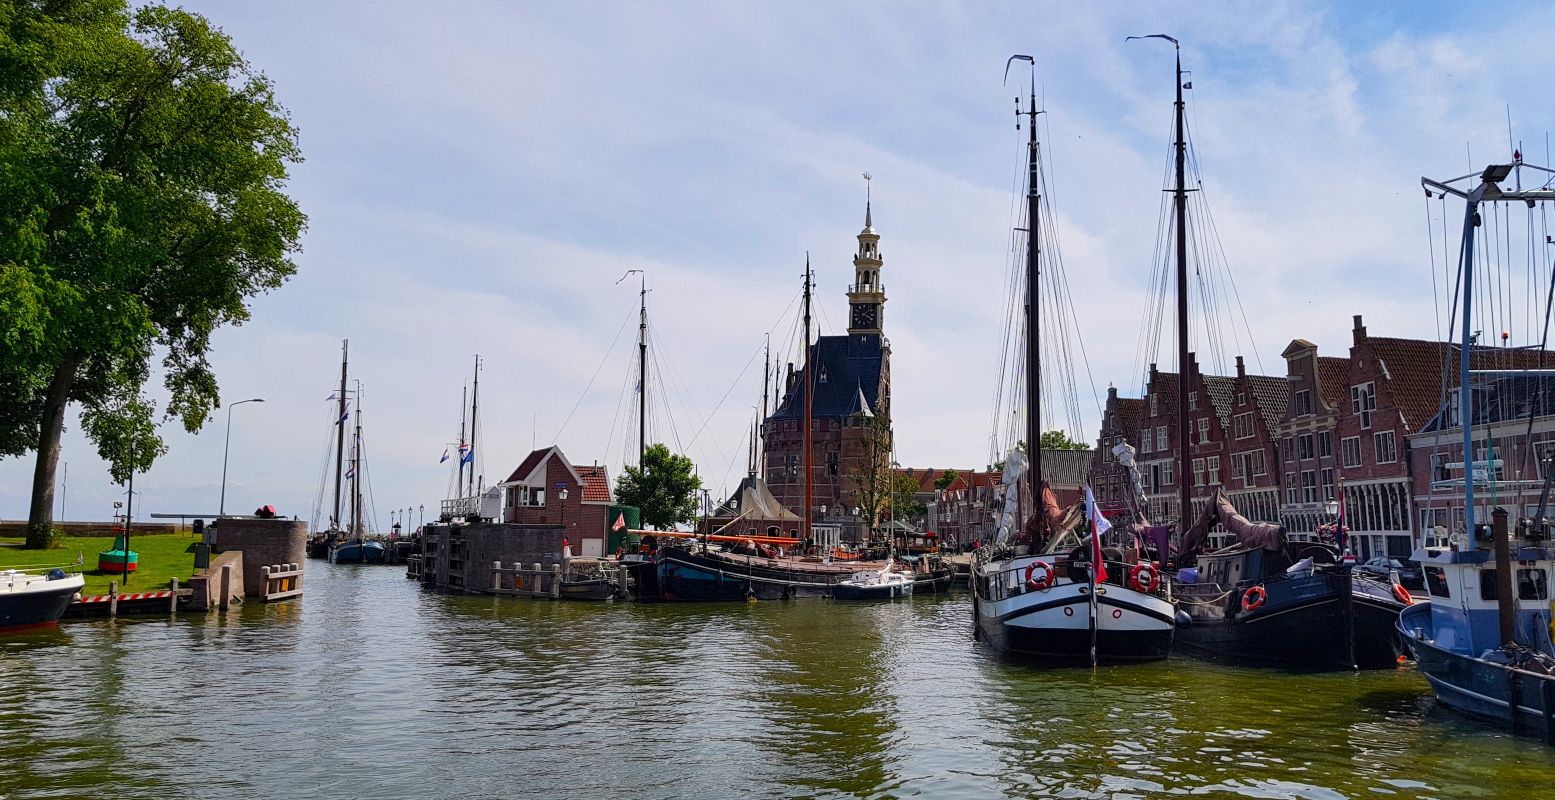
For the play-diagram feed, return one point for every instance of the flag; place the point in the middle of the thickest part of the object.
(350, 472)
(343, 418)
(445, 456)
(1099, 526)
(620, 522)
(469, 456)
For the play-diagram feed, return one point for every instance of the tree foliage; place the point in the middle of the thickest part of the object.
(870, 474)
(664, 487)
(142, 167)
(904, 499)
(1058, 440)
(946, 478)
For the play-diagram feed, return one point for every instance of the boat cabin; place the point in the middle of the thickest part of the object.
(1464, 597)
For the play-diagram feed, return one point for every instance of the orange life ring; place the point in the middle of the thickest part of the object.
(1403, 594)
(1144, 578)
(1035, 583)
(1253, 598)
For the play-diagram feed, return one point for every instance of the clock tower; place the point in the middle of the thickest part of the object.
(866, 296)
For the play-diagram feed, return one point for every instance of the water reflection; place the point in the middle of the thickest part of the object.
(370, 686)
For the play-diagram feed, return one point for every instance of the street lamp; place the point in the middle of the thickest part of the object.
(226, 449)
(562, 495)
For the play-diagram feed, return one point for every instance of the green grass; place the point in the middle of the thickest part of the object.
(162, 556)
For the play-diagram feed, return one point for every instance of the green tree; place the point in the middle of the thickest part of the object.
(142, 167)
(946, 478)
(1058, 440)
(665, 487)
(870, 473)
(904, 499)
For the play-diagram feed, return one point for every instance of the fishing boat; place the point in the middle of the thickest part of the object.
(874, 584)
(1043, 588)
(35, 600)
(1484, 638)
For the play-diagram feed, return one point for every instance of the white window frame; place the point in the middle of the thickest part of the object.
(1161, 445)
(1344, 452)
(1242, 425)
(1198, 472)
(1392, 449)
(1363, 402)
(1203, 430)
(1212, 467)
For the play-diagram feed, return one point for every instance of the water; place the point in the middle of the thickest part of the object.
(372, 687)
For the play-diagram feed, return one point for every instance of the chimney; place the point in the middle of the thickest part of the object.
(1112, 392)
(1360, 330)
(1241, 367)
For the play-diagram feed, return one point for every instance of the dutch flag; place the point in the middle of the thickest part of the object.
(445, 456)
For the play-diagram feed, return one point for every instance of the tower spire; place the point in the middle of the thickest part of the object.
(866, 295)
(869, 219)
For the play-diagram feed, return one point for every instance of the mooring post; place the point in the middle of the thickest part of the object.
(556, 581)
(113, 599)
(496, 577)
(172, 596)
(226, 586)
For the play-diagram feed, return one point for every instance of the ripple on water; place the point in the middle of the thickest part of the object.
(370, 686)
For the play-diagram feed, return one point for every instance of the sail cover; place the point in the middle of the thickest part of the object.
(1258, 535)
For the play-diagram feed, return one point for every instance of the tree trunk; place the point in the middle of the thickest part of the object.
(40, 519)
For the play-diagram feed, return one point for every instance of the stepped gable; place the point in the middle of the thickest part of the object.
(1414, 367)
(846, 368)
(1272, 395)
(1333, 377)
(1129, 412)
(1222, 394)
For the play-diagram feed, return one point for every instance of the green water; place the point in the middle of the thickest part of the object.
(370, 687)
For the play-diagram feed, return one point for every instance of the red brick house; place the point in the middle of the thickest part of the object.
(1110, 480)
(532, 495)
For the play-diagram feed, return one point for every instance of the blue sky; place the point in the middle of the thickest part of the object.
(479, 175)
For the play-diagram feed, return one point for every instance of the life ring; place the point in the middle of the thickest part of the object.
(1403, 594)
(1253, 598)
(1144, 578)
(1036, 583)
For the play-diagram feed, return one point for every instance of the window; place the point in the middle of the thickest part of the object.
(1487, 585)
(1154, 408)
(1304, 403)
(1239, 465)
(831, 463)
(1363, 401)
(1308, 486)
(1350, 447)
(1213, 466)
(1241, 398)
(1304, 449)
(1255, 458)
(1290, 449)
(1384, 447)
(1106, 448)
(1532, 584)
(1290, 495)
(1160, 438)
(1166, 474)
(1328, 484)
(1198, 472)
(1204, 430)
(1436, 582)
(1193, 401)
(1325, 444)
(1242, 425)
(1145, 440)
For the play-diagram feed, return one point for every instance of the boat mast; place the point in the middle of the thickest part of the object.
(642, 367)
(464, 408)
(809, 393)
(1033, 298)
(340, 430)
(356, 468)
(761, 453)
(475, 407)
(1180, 202)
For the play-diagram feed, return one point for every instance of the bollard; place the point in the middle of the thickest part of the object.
(556, 581)
(518, 578)
(226, 586)
(113, 599)
(172, 598)
(496, 577)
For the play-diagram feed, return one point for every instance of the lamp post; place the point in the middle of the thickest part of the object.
(562, 495)
(226, 450)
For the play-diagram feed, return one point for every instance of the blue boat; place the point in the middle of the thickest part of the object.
(359, 552)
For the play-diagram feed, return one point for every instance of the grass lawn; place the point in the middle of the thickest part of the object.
(162, 556)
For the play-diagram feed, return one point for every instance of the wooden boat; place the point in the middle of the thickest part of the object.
(33, 600)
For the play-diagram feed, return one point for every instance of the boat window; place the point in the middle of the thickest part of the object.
(1532, 584)
(1436, 582)
(1487, 585)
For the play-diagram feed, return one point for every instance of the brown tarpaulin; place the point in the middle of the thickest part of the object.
(1262, 535)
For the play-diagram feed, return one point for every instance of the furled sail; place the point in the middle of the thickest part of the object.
(1014, 467)
(1262, 535)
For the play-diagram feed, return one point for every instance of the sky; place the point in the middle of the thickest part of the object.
(479, 177)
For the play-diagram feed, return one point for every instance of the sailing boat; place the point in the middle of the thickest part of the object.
(357, 548)
(1487, 651)
(1263, 599)
(1054, 597)
(322, 541)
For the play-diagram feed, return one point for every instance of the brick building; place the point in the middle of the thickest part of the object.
(532, 495)
(1232, 422)
(852, 393)
(1110, 480)
(965, 511)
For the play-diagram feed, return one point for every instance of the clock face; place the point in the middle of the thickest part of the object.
(865, 315)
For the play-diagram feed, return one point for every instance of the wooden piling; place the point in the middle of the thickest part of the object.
(496, 577)
(556, 581)
(113, 599)
(172, 599)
